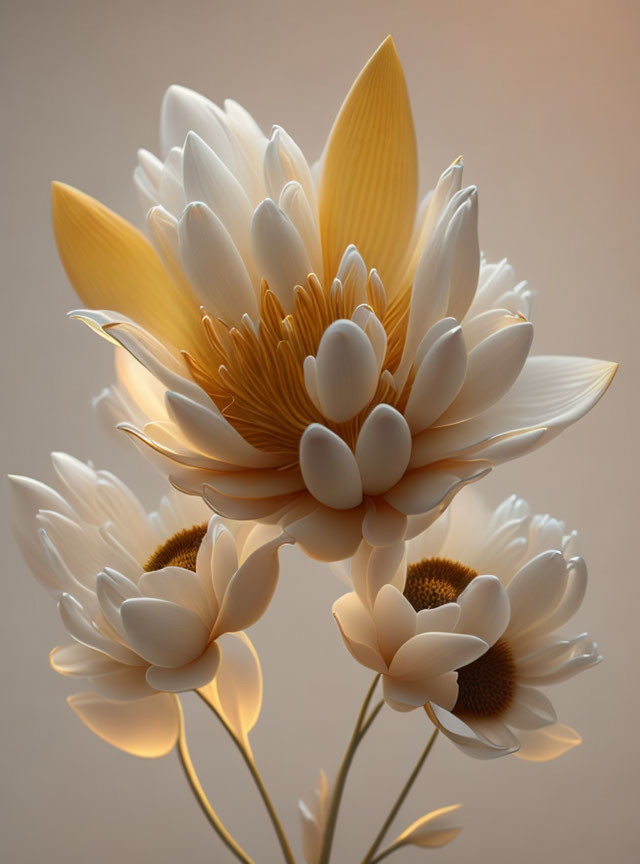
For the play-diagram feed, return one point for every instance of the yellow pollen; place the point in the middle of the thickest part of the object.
(435, 581)
(486, 687)
(181, 550)
(255, 374)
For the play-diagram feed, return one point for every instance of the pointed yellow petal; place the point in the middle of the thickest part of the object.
(368, 189)
(112, 266)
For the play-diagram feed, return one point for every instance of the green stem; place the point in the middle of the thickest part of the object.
(253, 770)
(358, 733)
(203, 801)
(369, 857)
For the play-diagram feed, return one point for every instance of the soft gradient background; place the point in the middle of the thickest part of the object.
(542, 99)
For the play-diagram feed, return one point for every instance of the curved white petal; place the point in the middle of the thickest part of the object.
(327, 534)
(430, 654)
(250, 590)
(485, 609)
(492, 368)
(395, 620)
(422, 490)
(543, 745)
(279, 252)
(236, 689)
(207, 178)
(329, 468)
(145, 727)
(433, 830)
(213, 264)
(192, 675)
(383, 449)
(438, 380)
(162, 632)
(346, 371)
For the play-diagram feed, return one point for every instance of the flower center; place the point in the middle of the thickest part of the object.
(435, 581)
(255, 374)
(181, 550)
(486, 686)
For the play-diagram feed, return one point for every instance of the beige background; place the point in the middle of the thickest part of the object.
(542, 99)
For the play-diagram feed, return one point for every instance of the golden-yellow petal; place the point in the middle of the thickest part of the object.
(369, 184)
(112, 266)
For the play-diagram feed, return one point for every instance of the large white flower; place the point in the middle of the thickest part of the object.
(499, 707)
(146, 599)
(415, 651)
(356, 361)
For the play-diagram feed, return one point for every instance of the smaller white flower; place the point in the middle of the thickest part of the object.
(416, 652)
(146, 604)
(314, 820)
(500, 707)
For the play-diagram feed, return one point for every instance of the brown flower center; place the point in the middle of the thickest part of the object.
(435, 581)
(181, 550)
(486, 686)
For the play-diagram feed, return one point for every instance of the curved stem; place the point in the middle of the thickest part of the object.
(359, 731)
(203, 801)
(253, 770)
(369, 857)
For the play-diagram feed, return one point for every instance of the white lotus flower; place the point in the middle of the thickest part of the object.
(146, 599)
(416, 652)
(499, 705)
(356, 362)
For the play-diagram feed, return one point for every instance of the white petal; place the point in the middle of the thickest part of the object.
(214, 266)
(81, 628)
(422, 490)
(178, 586)
(212, 434)
(207, 178)
(493, 366)
(530, 709)
(485, 609)
(78, 660)
(250, 590)
(294, 203)
(183, 111)
(162, 632)
(395, 620)
(383, 449)
(543, 745)
(438, 380)
(383, 524)
(195, 674)
(462, 233)
(430, 654)
(469, 739)
(145, 727)
(352, 273)
(237, 687)
(328, 535)
(346, 371)
(284, 162)
(441, 619)
(329, 468)
(125, 683)
(355, 620)
(279, 252)
(535, 591)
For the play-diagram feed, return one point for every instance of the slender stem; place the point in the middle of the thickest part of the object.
(385, 852)
(358, 733)
(253, 770)
(369, 857)
(203, 801)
